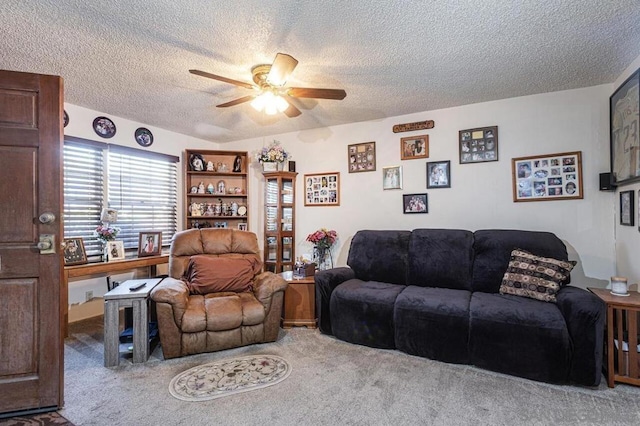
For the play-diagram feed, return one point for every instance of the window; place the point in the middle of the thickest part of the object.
(140, 185)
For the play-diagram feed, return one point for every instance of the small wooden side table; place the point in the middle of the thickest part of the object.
(622, 327)
(299, 302)
(123, 297)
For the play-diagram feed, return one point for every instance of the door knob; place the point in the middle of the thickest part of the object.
(46, 244)
(47, 217)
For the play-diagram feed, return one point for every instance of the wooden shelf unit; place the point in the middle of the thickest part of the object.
(279, 221)
(214, 203)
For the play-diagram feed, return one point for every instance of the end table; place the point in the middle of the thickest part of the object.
(622, 332)
(299, 302)
(123, 297)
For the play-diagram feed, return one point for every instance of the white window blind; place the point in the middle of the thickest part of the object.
(142, 187)
(83, 193)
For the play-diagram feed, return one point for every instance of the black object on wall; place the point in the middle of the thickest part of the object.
(606, 183)
(292, 166)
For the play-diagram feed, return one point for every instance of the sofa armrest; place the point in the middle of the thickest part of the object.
(585, 315)
(265, 285)
(326, 282)
(175, 293)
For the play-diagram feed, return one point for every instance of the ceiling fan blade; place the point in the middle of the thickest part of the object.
(292, 111)
(220, 78)
(304, 92)
(281, 69)
(236, 101)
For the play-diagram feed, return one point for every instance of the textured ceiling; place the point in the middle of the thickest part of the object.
(131, 58)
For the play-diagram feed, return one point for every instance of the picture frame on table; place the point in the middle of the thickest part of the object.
(415, 203)
(439, 174)
(479, 145)
(414, 147)
(322, 189)
(74, 252)
(116, 250)
(362, 157)
(392, 177)
(547, 177)
(242, 226)
(626, 208)
(624, 106)
(149, 243)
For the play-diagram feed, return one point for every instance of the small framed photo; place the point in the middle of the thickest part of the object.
(149, 243)
(415, 203)
(74, 252)
(242, 226)
(322, 189)
(362, 157)
(626, 208)
(478, 145)
(439, 174)
(116, 250)
(414, 147)
(547, 177)
(624, 107)
(392, 177)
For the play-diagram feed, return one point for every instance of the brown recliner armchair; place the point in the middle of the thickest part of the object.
(194, 316)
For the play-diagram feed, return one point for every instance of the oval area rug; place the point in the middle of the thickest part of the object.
(227, 377)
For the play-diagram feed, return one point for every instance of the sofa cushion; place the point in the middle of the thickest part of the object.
(441, 258)
(380, 256)
(519, 336)
(212, 274)
(493, 251)
(362, 312)
(433, 323)
(534, 276)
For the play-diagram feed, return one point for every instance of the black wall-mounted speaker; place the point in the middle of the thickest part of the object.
(606, 183)
(292, 166)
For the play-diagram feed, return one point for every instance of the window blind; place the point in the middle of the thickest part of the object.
(143, 189)
(83, 193)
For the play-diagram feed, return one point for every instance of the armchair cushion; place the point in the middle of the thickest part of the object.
(212, 274)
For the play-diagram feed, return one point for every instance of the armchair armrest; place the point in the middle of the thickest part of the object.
(175, 293)
(326, 282)
(265, 285)
(584, 313)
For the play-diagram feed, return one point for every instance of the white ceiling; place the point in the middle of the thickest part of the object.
(131, 58)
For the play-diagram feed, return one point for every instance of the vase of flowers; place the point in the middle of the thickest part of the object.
(323, 239)
(272, 155)
(104, 234)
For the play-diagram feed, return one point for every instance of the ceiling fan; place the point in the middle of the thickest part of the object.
(269, 94)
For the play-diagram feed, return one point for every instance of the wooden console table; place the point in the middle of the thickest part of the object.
(622, 328)
(104, 269)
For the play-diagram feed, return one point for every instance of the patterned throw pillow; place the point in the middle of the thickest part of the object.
(533, 276)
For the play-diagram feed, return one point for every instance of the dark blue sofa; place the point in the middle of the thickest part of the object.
(435, 293)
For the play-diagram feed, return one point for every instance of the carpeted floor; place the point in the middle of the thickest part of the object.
(332, 383)
(43, 419)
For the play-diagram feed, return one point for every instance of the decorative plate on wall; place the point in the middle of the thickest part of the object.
(104, 127)
(65, 119)
(144, 137)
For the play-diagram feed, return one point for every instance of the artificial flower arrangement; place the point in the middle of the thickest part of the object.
(323, 238)
(274, 153)
(106, 233)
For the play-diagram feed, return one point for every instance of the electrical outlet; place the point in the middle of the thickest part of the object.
(88, 295)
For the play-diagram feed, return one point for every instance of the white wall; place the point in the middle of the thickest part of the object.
(481, 194)
(627, 237)
(166, 142)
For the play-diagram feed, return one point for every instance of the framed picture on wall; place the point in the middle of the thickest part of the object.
(414, 147)
(392, 177)
(439, 174)
(478, 145)
(415, 203)
(625, 141)
(626, 208)
(547, 177)
(362, 157)
(149, 243)
(74, 252)
(322, 189)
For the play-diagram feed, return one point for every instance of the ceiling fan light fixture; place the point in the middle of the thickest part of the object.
(270, 103)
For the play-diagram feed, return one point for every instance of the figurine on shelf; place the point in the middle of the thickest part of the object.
(201, 188)
(221, 187)
(225, 209)
(217, 208)
(210, 167)
(234, 209)
(209, 211)
(237, 164)
(194, 189)
(210, 189)
(222, 167)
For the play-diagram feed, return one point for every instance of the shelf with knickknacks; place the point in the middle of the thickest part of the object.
(216, 187)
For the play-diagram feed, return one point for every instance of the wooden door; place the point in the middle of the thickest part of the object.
(31, 347)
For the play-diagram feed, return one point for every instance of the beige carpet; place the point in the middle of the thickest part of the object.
(332, 383)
